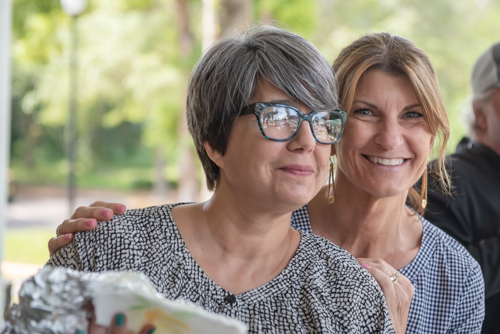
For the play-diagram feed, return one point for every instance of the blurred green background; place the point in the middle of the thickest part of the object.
(135, 57)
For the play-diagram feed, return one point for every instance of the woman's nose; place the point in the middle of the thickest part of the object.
(389, 134)
(304, 139)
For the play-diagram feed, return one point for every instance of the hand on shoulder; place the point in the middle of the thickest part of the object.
(84, 219)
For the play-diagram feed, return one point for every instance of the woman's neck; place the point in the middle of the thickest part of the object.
(240, 228)
(232, 242)
(367, 226)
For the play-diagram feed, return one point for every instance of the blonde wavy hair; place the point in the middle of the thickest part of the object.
(398, 55)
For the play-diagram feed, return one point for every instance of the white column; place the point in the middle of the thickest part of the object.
(5, 37)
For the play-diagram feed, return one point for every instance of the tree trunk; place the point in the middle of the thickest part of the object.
(160, 184)
(235, 16)
(208, 38)
(33, 132)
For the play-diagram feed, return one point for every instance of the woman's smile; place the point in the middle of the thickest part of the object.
(388, 162)
(299, 170)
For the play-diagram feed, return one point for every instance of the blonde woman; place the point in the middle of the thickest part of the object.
(396, 115)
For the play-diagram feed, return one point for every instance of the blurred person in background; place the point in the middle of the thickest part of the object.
(395, 112)
(472, 214)
(261, 108)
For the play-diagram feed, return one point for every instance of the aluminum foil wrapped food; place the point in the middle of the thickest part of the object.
(57, 300)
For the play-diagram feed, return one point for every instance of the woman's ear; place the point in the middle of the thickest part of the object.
(431, 144)
(480, 117)
(214, 155)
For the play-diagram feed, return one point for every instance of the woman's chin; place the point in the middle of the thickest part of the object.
(296, 198)
(386, 193)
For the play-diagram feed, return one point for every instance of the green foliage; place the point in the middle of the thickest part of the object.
(299, 15)
(132, 75)
(131, 84)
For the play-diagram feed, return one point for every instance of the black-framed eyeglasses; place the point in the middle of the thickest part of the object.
(281, 122)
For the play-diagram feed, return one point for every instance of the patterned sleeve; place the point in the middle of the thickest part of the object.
(359, 300)
(378, 307)
(470, 312)
(375, 309)
(123, 243)
(369, 311)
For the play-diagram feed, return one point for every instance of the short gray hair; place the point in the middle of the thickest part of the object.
(224, 80)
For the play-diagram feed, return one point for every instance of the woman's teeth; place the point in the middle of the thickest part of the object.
(386, 162)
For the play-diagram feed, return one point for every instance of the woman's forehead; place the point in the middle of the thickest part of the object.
(378, 84)
(266, 91)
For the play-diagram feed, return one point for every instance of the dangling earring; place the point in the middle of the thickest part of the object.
(423, 190)
(331, 185)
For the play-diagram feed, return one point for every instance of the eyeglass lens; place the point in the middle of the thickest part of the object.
(282, 123)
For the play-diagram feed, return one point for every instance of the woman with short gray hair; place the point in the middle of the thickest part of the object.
(236, 254)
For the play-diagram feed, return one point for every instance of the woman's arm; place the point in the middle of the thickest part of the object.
(84, 219)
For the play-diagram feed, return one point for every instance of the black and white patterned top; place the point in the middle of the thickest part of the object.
(322, 290)
(449, 286)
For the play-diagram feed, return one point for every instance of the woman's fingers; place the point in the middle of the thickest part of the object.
(383, 272)
(381, 277)
(77, 225)
(148, 329)
(118, 326)
(117, 208)
(94, 328)
(379, 264)
(84, 219)
(99, 212)
(389, 271)
(398, 291)
(58, 242)
(66, 230)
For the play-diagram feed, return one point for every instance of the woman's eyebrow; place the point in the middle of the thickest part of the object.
(375, 106)
(365, 102)
(411, 106)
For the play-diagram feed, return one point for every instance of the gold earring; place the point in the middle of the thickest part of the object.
(331, 185)
(423, 190)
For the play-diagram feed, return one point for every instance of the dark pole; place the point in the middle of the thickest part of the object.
(71, 135)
